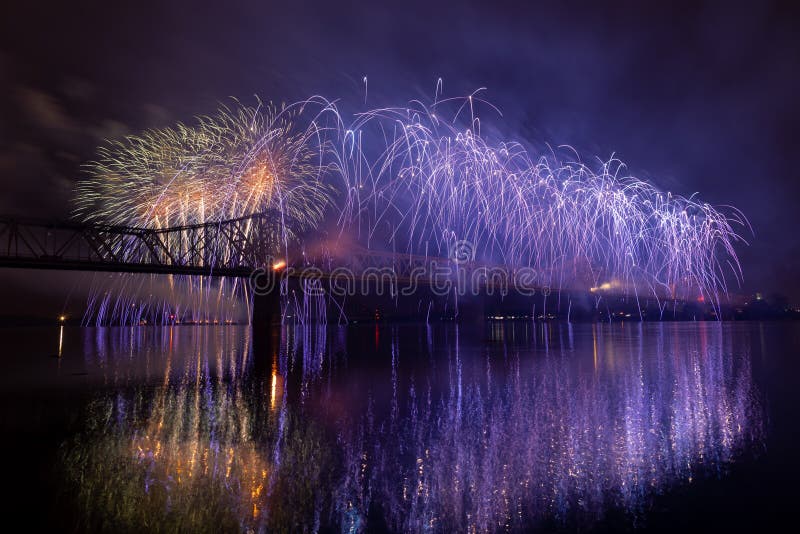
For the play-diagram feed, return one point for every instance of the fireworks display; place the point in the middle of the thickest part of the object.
(434, 186)
(418, 180)
(241, 161)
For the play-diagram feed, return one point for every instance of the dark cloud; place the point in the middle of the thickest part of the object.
(43, 111)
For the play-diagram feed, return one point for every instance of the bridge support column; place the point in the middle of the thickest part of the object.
(266, 309)
(266, 329)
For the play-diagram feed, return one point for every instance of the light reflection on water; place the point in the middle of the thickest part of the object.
(407, 427)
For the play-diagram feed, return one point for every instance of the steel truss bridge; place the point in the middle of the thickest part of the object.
(231, 248)
(227, 248)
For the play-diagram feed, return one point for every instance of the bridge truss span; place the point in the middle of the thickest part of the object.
(226, 248)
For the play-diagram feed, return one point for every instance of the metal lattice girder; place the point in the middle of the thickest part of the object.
(233, 248)
(224, 248)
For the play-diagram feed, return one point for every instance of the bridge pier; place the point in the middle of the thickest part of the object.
(266, 332)
(266, 309)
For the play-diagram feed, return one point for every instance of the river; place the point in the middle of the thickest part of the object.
(506, 425)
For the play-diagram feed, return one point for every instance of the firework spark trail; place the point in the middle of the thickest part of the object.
(408, 180)
(436, 185)
(241, 161)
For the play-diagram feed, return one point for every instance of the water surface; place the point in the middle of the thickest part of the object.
(502, 426)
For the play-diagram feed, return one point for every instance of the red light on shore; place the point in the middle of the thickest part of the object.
(278, 265)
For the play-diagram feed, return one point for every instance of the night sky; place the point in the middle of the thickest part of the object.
(694, 98)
